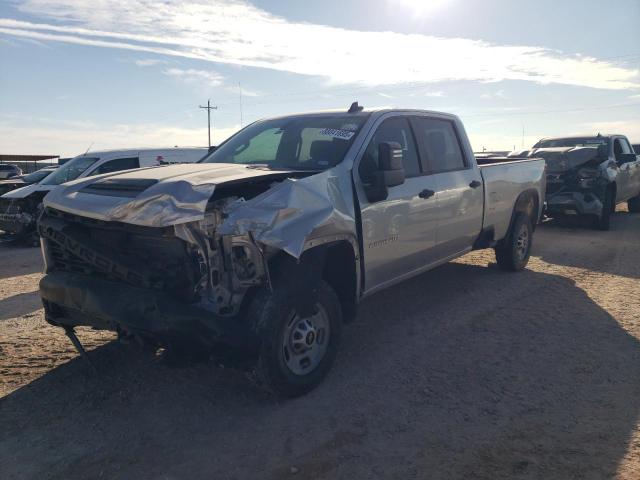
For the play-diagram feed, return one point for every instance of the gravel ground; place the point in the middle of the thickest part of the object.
(463, 372)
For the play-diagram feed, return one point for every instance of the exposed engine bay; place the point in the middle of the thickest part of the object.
(19, 215)
(209, 263)
(577, 179)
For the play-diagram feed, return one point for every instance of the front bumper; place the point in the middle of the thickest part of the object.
(573, 203)
(72, 299)
(17, 223)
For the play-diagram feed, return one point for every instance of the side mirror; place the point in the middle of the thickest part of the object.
(623, 158)
(390, 172)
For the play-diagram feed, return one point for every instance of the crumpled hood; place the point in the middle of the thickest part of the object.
(154, 197)
(562, 159)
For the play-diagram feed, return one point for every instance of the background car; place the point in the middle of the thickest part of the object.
(8, 171)
(24, 180)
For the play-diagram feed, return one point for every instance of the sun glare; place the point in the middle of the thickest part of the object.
(422, 7)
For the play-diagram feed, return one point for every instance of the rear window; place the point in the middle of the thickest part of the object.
(440, 144)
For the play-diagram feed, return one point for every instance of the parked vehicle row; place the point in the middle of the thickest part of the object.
(19, 208)
(268, 244)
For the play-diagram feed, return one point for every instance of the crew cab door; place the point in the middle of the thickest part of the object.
(460, 189)
(399, 232)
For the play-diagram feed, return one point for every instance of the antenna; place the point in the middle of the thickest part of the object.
(355, 108)
(91, 145)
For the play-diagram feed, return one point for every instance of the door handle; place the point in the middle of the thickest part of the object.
(426, 193)
(475, 184)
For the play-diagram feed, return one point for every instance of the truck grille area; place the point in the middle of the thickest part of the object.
(140, 256)
(9, 207)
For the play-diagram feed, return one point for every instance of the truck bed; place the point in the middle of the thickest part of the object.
(504, 180)
(491, 160)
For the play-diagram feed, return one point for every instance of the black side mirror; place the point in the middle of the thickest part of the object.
(623, 158)
(390, 172)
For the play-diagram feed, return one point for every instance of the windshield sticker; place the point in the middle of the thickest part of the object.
(595, 142)
(352, 127)
(335, 133)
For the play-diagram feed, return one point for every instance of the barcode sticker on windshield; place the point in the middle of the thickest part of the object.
(335, 133)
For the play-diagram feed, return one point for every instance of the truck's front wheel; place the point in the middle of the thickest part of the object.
(513, 252)
(296, 350)
(633, 204)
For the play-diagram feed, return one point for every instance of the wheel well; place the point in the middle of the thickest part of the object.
(335, 263)
(340, 273)
(529, 204)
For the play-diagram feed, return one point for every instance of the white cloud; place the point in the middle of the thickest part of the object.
(70, 141)
(197, 77)
(497, 94)
(250, 93)
(149, 62)
(239, 33)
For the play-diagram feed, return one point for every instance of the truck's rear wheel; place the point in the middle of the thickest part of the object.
(296, 350)
(513, 252)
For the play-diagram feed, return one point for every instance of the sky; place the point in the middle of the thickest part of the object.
(100, 74)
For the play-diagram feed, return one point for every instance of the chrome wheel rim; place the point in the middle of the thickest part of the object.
(522, 242)
(305, 341)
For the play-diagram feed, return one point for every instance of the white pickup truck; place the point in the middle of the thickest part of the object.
(270, 243)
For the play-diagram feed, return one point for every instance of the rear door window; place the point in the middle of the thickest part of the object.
(117, 165)
(439, 145)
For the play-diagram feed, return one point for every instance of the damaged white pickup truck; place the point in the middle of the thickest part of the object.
(269, 244)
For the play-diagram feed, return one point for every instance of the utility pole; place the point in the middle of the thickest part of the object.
(209, 108)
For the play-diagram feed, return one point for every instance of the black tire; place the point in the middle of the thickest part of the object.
(603, 222)
(633, 204)
(513, 252)
(272, 315)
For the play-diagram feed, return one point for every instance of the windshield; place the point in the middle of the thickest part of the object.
(36, 176)
(300, 143)
(572, 142)
(69, 171)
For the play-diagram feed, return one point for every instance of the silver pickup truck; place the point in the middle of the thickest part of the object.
(269, 244)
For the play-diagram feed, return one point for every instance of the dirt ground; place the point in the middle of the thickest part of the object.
(464, 372)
